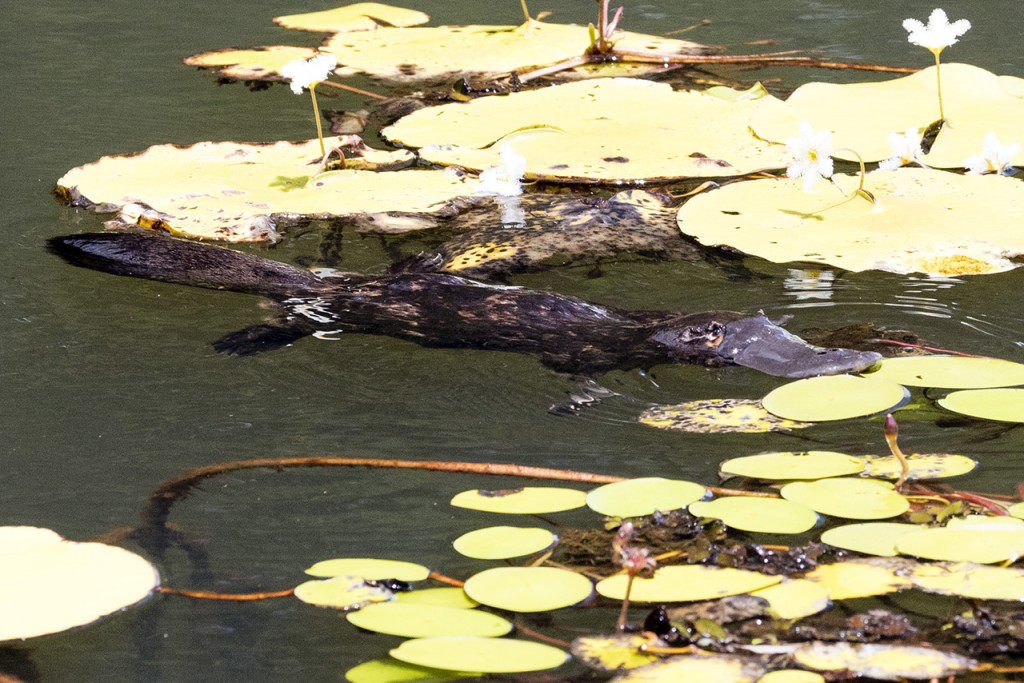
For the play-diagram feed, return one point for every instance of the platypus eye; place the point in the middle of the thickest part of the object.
(707, 331)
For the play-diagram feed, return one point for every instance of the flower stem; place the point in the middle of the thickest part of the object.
(316, 116)
(859, 192)
(938, 84)
(526, 11)
(892, 432)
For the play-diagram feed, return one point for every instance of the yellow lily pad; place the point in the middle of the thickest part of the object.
(969, 580)
(420, 621)
(49, 585)
(503, 542)
(790, 466)
(1016, 510)
(369, 568)
(643, 496)
(341, 592)
(917, 224)
(863, 578)
(530, 500)
(764, 515)
(950, 372)
(603, 130)
(393, 671)
(884, 662)
(835, 397)
(848, 498)
(612, 653)
(528, 589)
(795, 598)
(484, 655)
(251, 64)
(791, 676)
(1005, 405)
(443, 53)
(919, 466)
(242, 191)
(686, 583)
(703, 669)
(361, 16)
(862, 115)
(717, 416)
(981, 544)
(870, 538)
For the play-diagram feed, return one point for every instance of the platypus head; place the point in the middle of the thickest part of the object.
(755, 342)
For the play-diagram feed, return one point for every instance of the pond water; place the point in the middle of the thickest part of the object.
(110, 385)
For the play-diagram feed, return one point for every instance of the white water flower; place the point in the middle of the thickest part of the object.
(504, 180)
(306, 72)
(812, 155)
(906, 149)
(994, 157)
(938, 34)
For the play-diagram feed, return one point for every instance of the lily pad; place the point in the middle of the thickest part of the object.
(950, 372)
(836, 397)
(242, 191)
(919, 466)
(603, 130)
(1005, 405)
(360, 16)
(791, 676)
(975, 544)
(528, 589)
(703, 669)
(530, 500)
(884, 662)
(612, 653)
(717, 416)
(870, 538)
(503, 542)
(764, 515)
(863, 578)
(861, 115)
(48, 584)
(1016, 510)
(643, 496)
(393, 671)
(369, 568)
(848, 498)
(790, 466)
(342, 592)
(251, 64)
(686, 583)
(795, 598)
(916, 226)
(969, 580)
(420, 621)
(484, 655)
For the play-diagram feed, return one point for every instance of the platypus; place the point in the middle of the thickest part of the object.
(445, 310)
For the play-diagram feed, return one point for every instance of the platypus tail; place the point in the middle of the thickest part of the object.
(166, 259)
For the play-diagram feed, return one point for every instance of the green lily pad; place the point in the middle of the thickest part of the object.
(393, 671)
(764, 515)
(528, 589)
(643, 496)
(504, 542)
(790, 466)
(950, 372)
(686, 583)
(531, 500)
(484, 655)
(420, 621)
(848, 498)
(369, 568)
(795, 598)
(974, 544)
(862, 578)
(1005, 405)
(870, 538)
(837, 397)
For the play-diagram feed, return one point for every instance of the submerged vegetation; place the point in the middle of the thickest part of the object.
(775, 577)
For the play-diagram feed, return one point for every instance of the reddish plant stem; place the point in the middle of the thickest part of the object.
(233, 597)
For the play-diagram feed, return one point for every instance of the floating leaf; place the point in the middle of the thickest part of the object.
(917, 224)
(528, 589)
(836, 397)
(251, 64)
(531, 500)
(848, 498)
(643, 496)
(48, 584)
(862, 578)
(484, 655)
(603, 130)
(870, 538)
(977, 543)
(503, 542)
(717, 416)
(612, 653)
(791, 676)
(975, 102)
(392, 671)
(789, 466)
(420, 621)
(950, 372)
(919, 466)
(692, 669)
(240, 191)
(765, 515)
(795, 598)
(361, 16)
(369, 568)
(1016, 510)
(442, 597)
(342, 592)
(884, 662)
(686, 583)
(1005, 405)
(968, 580)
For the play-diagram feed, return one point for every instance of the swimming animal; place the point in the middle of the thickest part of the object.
(445, 310)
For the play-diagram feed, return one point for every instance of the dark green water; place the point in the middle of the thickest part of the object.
(110, 385)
